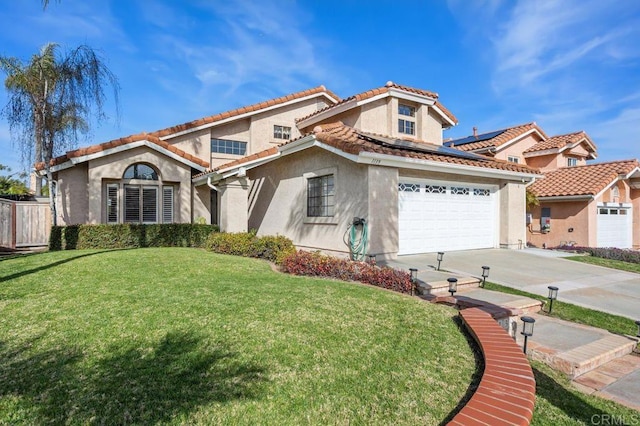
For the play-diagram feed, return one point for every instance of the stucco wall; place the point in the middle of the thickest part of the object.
(112, 168)
(197, 143)
(517, 148)
(635, 200)
(383, 211)
(278, 200)
(512, 215)
(72, 202)
(564, 215)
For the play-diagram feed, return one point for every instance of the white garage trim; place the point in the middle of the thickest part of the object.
(446, 216)
(614, 226)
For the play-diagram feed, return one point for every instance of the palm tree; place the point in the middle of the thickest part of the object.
(52, 98)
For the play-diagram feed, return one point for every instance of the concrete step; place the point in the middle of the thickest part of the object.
(574, 349)
(441, 287)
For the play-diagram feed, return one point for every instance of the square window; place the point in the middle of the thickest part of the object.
(407, 127)
(513, 159)
(282, 132)
(320, 196)
(572, 162)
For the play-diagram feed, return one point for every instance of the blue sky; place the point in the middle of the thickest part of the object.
(569, 65)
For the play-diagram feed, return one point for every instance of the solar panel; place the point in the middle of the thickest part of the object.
(479, 138)
(421, 147)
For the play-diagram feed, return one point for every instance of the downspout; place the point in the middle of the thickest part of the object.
(210, 185)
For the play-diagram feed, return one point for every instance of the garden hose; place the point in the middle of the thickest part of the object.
(358, 239)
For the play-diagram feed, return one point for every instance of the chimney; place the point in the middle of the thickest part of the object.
(475, 132)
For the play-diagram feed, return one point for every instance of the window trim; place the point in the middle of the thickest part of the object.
(513, 159)
(572, 160)
(281, 130)
(230, 145)
(322, 220)
(402, 126)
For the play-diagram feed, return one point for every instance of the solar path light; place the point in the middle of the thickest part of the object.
(527, 329)
(553, 295)
(440, 256)
(453, 285)
(485, 275)
(414, 279)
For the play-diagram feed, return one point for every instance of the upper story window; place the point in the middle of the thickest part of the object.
(320, 196)
(572, 162)
(281, 132)
(140, 171)
(513, 159)
(406, 123)
(224, 146)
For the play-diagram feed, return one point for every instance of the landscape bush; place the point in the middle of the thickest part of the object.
(248, 244)
(315, 264)
(123, 236)
(624, 255)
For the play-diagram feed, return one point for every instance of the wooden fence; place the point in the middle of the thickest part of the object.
(24, 224)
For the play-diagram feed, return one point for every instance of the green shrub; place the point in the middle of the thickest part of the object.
(612, 253)
(247, 244)
(129, 236)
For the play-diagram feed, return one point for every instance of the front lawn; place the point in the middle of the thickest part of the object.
(184, 336)
(608, 263)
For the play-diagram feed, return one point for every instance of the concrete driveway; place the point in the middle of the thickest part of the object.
(533, 270)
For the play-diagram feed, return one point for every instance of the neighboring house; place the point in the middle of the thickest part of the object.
(304, 166)
(595, 205)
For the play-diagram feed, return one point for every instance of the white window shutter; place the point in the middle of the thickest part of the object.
(167, 204)
(112, 203)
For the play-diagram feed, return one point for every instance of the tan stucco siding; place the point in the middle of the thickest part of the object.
(543, 162)
(278, 199)
(516, 149)
(72, 201)
(112, 167)
(197, 143)
(512, 215)
(565, 216)
(383, 211)
(201, 204)
(635, 201)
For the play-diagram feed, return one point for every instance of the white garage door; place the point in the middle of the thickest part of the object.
(443, 216)
(614, 227)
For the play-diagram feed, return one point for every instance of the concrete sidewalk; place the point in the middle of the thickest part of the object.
(533, 270)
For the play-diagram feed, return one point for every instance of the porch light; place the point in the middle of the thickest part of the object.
(485, 274)
(414, 279)
(553, 295)
(453, 285)
(440, 256)
(527, 329)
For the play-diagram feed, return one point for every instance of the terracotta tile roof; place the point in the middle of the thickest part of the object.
(120, 142)
(349, 140)
(561, 141)
(581, 180)
(501, 138)
(385, 89)
(243, 110)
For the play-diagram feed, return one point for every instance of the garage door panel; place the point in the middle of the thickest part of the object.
(463, 217)
(614, 227)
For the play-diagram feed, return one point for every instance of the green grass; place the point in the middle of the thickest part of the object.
(609, 263)
(559, 403)
(184, 336)
(574, 313)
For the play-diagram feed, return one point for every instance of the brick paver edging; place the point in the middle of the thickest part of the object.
(507, 390)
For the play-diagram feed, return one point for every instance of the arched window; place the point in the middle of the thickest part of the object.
(132, 201)
(140, 171)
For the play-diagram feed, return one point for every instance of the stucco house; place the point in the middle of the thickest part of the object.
(304, 165)
(595, 205)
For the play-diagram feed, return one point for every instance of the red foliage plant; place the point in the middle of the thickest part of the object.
(315, 264)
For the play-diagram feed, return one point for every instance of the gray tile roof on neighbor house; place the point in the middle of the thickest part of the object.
(494, 138)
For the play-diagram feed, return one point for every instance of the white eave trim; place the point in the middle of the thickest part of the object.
(246, 114)
(137, 144)
(442, 167)
(443, 115)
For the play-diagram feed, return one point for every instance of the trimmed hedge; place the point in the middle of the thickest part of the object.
(247, 244)
(318, 265)
(129, 236)
(624, 255)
